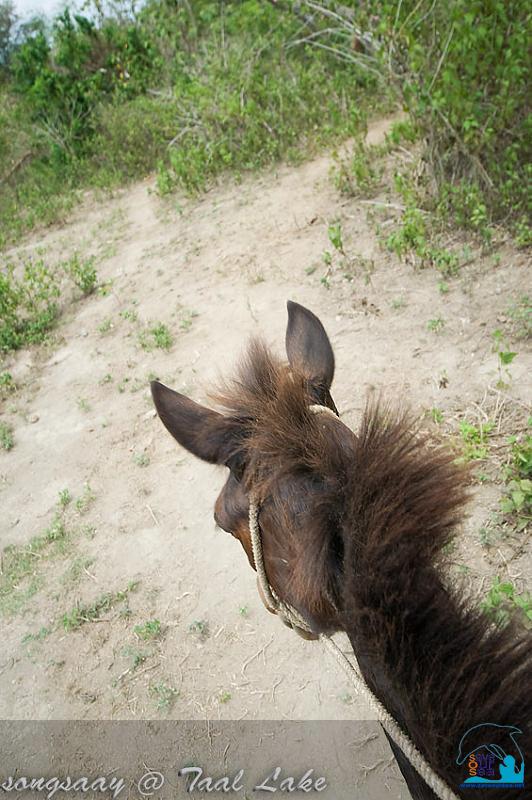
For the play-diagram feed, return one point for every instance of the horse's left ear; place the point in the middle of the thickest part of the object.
(308, 347)
(203, 432)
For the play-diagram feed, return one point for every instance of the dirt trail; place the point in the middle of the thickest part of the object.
(215, 271)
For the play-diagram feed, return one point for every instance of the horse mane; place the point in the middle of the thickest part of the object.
(281, 434)
(388, 501)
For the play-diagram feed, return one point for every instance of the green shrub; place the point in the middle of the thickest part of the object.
(149, 630)
(503, 600)
(7, 441)
(467, 87)
(191, 90)
(83, 273)
(462, 70)
(132, 136)
(63, 75)
(359, 173)
(29, 298)
(255, 103)
(516, 502)
(28, 305)
(194, 89)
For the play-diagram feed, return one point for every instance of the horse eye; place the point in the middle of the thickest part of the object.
(236, 466)
(238, 471)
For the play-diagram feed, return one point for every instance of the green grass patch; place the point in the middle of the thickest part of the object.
(158, 335)
(149, 630)
(85, 501)
(23, 571)
(29, 297)
(65, 498)
(436, 415)
(475, 440)
(7, 384)
(76, 570)
(90, 612)
(7, 441)
(22, 565)
(164, 695)
(436, 325)
(516, 503)
(40, 636)
(418, 232)
(503, 600)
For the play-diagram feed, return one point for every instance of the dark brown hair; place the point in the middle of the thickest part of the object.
(354, 527)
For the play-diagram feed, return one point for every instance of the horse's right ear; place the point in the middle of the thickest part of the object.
(204, 433)
(308, 347)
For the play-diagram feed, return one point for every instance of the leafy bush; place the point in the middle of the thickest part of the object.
(475, 440)
(28, 304)
(29, 297)
(467, 87)
(517, 500)
(62, 76)
(189, 89)
(83, 273)
(132, 136)
(196, 89)
(503, 600)
(255, 103)
(462, 70)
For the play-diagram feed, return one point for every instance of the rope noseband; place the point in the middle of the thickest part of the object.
(293, 619)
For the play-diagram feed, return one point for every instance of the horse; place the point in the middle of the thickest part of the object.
(354, 529)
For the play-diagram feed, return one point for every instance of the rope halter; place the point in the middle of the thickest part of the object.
(289, 615)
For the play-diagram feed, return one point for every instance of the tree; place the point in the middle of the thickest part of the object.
(8, 21)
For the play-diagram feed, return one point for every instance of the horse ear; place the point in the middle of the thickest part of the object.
(204, 433)
(308, 347)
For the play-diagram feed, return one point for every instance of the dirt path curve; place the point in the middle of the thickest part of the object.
(215, 271)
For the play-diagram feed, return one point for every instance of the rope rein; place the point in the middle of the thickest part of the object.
(294, 620)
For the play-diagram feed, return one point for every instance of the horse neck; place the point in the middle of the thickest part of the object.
(434, 663)
(376, 633)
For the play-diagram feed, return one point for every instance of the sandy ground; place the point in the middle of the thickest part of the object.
(351, 761)
(216, 271)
